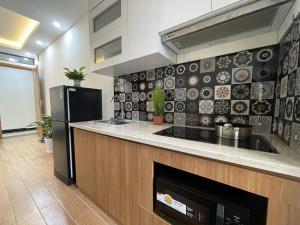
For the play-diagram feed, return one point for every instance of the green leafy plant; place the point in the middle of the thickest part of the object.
(158, 101)
(46, 124)
(75, 74)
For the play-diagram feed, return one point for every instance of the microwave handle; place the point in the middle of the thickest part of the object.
(220, 215)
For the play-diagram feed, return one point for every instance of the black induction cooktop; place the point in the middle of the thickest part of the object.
(255, 142)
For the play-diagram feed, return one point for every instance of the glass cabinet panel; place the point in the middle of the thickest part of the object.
(108, 50)
(108, 16)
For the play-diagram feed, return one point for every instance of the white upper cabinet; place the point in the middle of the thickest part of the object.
(93, 4)
(109, 15)
(175, 12)
(108, 34)
(217, 4)
(124, 38)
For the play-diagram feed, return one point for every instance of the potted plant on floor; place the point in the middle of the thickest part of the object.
(46, 124)
(159, 106)
(76, 75)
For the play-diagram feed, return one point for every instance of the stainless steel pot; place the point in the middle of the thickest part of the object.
(233, 130)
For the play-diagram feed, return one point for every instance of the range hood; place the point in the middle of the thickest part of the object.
(248, 18)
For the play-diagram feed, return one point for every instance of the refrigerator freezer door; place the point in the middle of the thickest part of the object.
(62, 151)
(84, 104)
(58, 104)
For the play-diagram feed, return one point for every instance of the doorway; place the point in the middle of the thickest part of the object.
(17, 100)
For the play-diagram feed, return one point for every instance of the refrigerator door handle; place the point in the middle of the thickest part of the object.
(68, 104)
(70, 135)
(70, 151)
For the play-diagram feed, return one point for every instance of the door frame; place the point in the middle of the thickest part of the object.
(36, 86)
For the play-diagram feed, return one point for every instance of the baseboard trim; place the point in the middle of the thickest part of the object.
(17, 130)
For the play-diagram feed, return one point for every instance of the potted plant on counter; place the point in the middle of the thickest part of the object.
(76, 75)
(159, 106)
(46, 124)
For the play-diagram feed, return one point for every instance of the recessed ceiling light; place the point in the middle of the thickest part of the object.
(11, 59)
(23, 29)
(56, 24)
(39, 42)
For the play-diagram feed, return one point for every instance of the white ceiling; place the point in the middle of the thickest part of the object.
(66, 12)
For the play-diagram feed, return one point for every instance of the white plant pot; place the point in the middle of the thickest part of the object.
(77, 83)
(49, 145)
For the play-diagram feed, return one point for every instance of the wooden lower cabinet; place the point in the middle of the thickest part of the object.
(85, 162)
(123, 174)
(118, 176)
(102, 173)
(148, 218)
(106, 172)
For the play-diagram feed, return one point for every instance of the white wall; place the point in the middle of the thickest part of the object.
(17, 109)
(72, 50)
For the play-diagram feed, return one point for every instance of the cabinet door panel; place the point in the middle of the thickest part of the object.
(117, 180)
(102, 172)
(85, 161)
(106, 38)
(106, 17)
(176, 12)
(123, 181)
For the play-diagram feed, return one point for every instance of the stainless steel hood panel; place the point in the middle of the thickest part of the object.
(232, 21)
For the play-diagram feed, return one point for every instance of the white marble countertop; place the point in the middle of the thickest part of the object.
(286, 162)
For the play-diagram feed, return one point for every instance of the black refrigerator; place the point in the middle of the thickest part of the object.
(70, 104)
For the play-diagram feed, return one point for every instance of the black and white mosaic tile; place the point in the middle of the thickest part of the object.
(261, 124)
(295, 137)
(231, 87)
(297, 83)
(287, 111)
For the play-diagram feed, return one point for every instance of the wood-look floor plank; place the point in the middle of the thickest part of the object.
(90, 218)
(31, 195)
(68, 200)
(23, 206)
(99, 212)
(6, 213)
(51, 211)
(39, 192)
(54, 214)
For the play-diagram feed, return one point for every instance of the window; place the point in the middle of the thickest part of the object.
(16, 59)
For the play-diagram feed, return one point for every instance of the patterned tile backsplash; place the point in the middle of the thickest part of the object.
(238, 87)
(287, 110)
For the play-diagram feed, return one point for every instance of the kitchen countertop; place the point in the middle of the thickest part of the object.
(286, 162)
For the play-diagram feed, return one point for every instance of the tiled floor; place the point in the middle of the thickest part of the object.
(31, 195)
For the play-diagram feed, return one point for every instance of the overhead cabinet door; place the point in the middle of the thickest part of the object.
(107, 16)
(175, 12)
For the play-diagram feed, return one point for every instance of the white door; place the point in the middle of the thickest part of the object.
(17, 108)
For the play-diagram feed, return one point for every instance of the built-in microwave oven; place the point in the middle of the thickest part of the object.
(186, 199)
